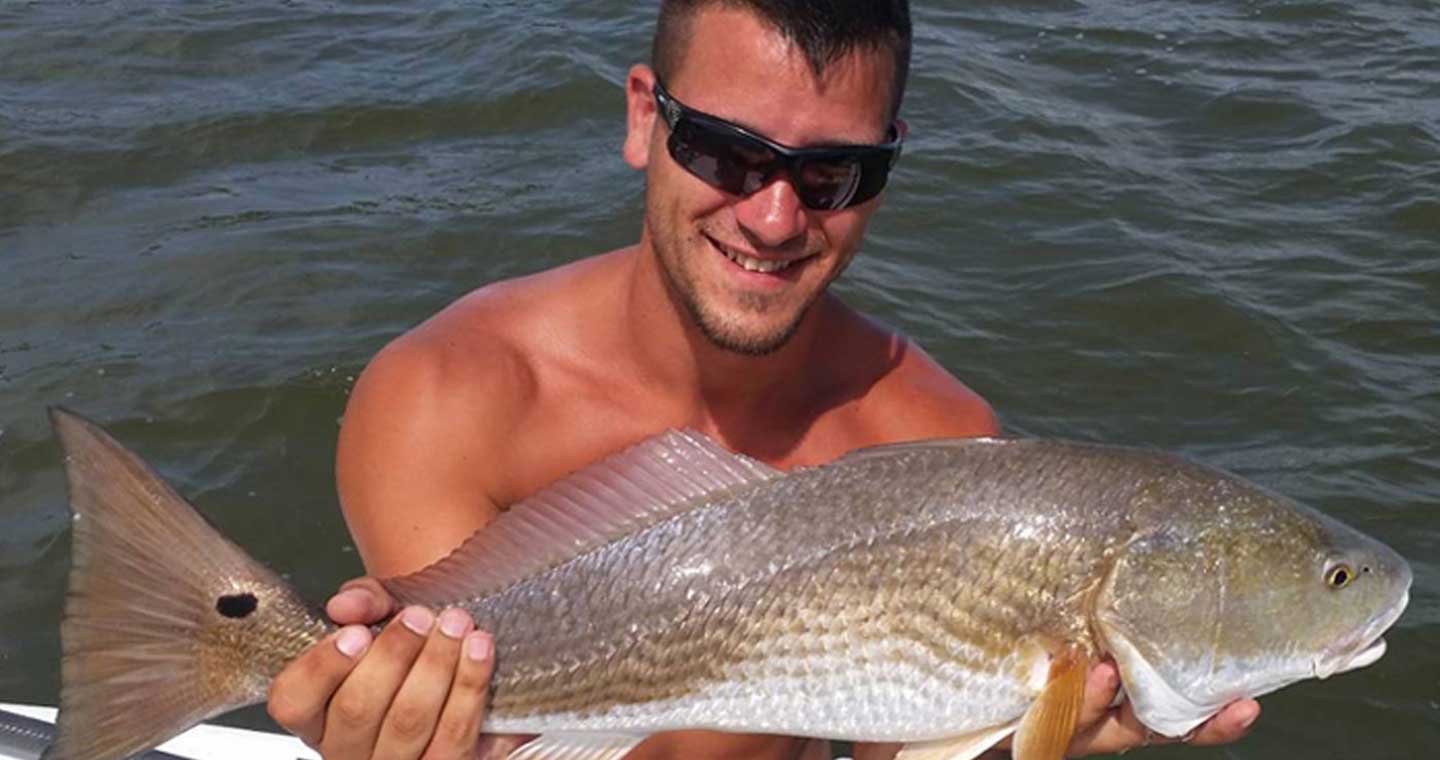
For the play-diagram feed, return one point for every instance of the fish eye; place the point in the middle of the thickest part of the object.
(1339, 576)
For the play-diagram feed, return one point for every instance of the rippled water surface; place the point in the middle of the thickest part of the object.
(1212, 227)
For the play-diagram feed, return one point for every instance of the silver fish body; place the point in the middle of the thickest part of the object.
(914, 593)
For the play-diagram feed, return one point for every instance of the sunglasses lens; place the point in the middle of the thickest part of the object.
(827, 185)
(728, 162)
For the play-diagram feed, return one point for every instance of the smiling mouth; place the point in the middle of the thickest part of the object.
(753, 264)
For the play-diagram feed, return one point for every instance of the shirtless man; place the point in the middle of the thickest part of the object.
(718, 319)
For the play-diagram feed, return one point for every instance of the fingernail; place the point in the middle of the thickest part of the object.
(454, 623)
(1249, 720)
(348, 598)
(352, 641)
(418, 619)
(356, 595)
(478, 646)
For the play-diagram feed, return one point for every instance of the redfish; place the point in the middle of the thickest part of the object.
(944, 594)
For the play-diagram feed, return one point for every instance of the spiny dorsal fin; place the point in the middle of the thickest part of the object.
(636, 488)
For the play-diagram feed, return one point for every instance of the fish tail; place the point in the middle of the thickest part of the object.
(167, 623)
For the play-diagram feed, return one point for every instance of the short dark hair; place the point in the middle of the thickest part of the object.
(825, 30)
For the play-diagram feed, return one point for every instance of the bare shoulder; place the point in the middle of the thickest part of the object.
(930, 402)
(476, 363)
(425, 442)
(462, 365)
(908, 395)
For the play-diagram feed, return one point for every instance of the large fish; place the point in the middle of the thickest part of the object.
(944, 594)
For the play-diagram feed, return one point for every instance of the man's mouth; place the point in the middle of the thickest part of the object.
(753, 264)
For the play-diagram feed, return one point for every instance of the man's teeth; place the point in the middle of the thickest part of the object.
(756, 265)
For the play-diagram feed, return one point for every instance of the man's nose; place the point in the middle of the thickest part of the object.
(773, 215)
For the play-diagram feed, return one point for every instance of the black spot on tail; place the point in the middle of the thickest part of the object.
(236, 605)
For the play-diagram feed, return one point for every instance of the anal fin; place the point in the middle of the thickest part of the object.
(1047, 727)
(963, 747)
(562, 745)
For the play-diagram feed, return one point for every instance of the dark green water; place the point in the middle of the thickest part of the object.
(1212, 227)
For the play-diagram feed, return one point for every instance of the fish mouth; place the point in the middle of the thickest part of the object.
(1363, 648)
(1366, 656)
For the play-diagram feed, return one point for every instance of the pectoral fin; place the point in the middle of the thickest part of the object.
(1047, 727)
(964, 747)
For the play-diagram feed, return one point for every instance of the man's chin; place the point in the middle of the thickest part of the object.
(738, 339)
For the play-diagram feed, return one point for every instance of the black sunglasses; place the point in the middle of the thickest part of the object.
(731, 158)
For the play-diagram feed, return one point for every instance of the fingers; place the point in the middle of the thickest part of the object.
(361, 600)
(301, 694)
(358, 708)
(1228, 725)
(1101, 686)
(413, 714)
(302, 691)
(419, 690)
(457, 732)
(1119, 730)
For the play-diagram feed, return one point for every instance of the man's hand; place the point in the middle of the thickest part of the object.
(1105, 729)
(417, 690)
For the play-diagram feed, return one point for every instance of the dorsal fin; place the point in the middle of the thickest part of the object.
(591, 507)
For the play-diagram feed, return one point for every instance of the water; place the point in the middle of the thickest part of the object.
(1211, 227)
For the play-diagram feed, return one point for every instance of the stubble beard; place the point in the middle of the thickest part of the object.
(722, 330)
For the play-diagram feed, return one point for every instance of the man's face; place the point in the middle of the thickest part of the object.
(747, 268)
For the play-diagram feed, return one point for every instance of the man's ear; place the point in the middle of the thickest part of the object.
(640, 113)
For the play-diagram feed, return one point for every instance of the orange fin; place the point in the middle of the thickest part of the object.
(1049, 724)
(963, 747)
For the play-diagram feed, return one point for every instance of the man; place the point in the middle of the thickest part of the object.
(717, 320)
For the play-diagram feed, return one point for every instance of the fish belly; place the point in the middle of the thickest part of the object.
(857, 691)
